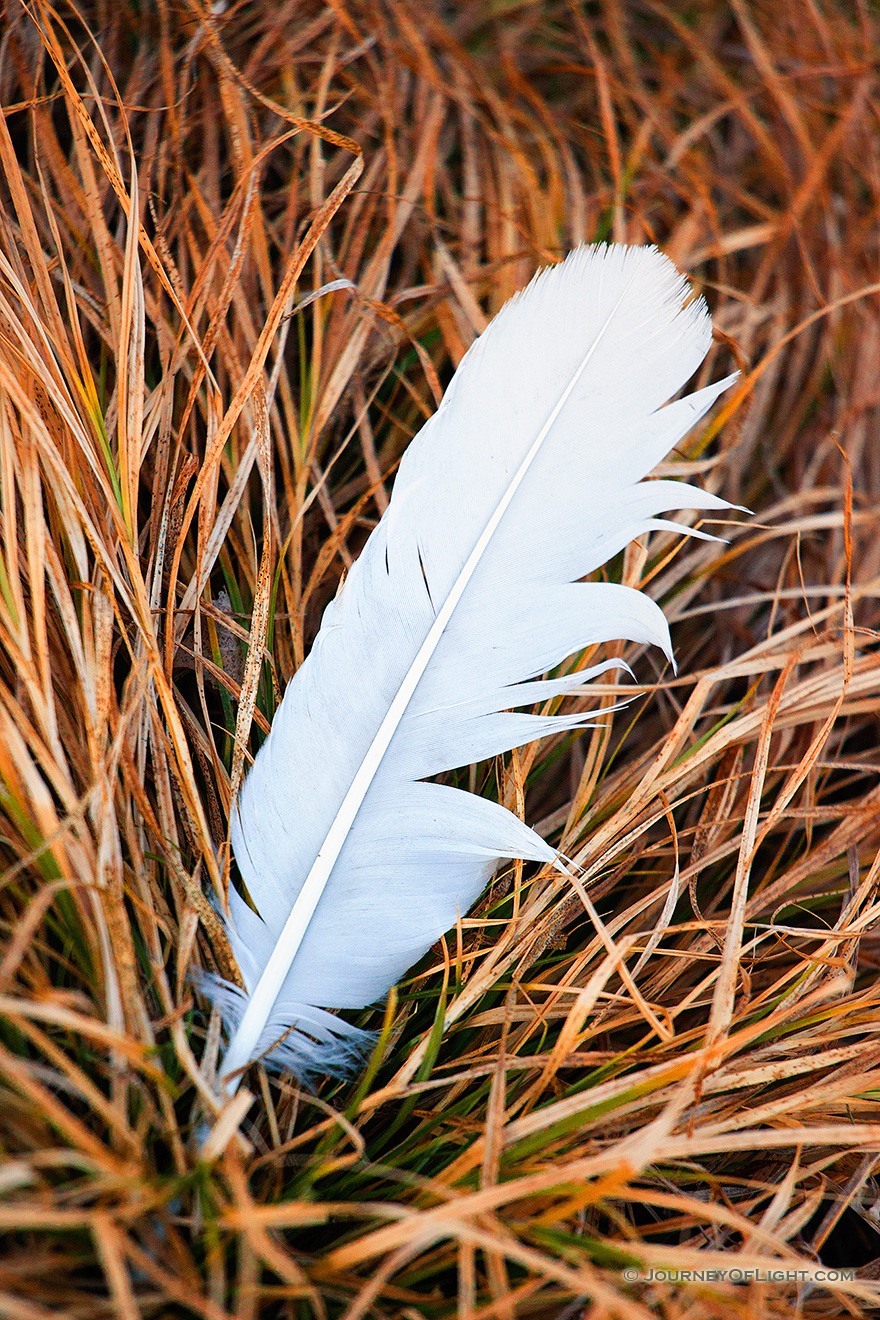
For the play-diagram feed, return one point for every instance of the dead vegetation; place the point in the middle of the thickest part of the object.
(241, 252)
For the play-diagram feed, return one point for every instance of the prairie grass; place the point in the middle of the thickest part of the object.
(241, 252)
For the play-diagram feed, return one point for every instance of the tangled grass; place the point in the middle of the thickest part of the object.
(240, 253)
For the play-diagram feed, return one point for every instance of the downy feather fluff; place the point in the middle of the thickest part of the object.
(526, 479)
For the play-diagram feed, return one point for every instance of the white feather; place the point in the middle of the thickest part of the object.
(526, 479)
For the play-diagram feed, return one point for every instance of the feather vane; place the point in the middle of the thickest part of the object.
(527, 478)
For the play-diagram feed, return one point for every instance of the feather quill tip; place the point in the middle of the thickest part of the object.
(299, 1039)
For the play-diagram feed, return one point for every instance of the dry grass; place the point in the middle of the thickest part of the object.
(238, 256)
